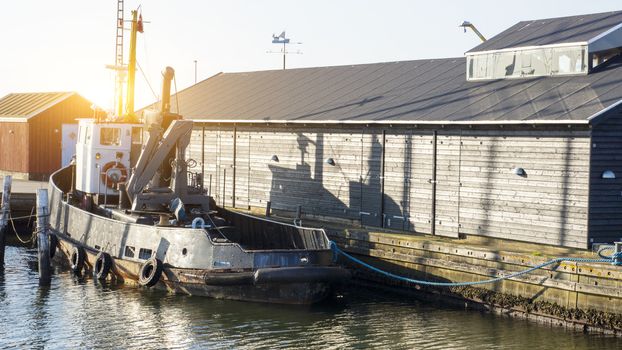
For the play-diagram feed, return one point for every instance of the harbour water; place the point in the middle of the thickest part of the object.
(78, 313)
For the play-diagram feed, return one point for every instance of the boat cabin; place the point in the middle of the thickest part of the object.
(104, 154)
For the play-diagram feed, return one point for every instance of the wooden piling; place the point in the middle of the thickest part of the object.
(618, 249)
(5, 210)
(298, 219)
(268, 206)
(43, 241)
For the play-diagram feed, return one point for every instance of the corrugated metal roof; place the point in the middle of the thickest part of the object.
(27, 105)
(422, 91)
(552, 31)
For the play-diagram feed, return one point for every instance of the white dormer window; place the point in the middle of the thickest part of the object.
(527, 62)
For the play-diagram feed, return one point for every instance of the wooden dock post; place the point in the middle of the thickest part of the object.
(43, 241)
(268, 208)
(298, 219)
(5, 211)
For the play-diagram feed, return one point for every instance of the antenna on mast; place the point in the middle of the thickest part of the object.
(123, 70)
(118, 65)
(281, 39)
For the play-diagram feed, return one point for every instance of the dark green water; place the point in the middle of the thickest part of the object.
(75, 313)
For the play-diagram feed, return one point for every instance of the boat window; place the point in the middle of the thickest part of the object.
(110, 137)
(129, 251)
(144, 253)
(137, 136)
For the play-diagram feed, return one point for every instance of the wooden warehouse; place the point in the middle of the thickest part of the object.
(519, 139)
(31, 127)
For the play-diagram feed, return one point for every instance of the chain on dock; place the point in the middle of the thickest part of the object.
(614, 259)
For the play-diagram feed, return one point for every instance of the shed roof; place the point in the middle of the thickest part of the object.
(422, 91)
(20, 106)
(549, 31)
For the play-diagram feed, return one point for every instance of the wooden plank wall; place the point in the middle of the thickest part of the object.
(477, 193)
(605, 219)
(447, 183)
(14, 147)
(45, 134)
(408, 191)
(548, 205)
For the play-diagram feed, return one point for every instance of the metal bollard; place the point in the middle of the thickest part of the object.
(43, 241)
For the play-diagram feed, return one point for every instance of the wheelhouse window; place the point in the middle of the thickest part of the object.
(137, 136)
(110, 137)
(145, 253)
(130, 251)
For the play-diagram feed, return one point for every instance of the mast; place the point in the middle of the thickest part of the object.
(131, 69)
(119, 59)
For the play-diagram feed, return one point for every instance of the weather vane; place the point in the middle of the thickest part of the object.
(281, 39)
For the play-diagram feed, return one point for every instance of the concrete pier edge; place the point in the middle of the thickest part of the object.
(582, 296)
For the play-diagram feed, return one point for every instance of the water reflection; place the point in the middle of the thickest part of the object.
(83, 313)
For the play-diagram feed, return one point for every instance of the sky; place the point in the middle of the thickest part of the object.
(65, 45)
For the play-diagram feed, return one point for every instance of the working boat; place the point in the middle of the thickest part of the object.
(129, 209)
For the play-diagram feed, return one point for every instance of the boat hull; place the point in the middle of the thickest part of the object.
(196, 281)
(262, 260)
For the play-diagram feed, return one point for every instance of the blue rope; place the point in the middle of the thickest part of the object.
(615, 259)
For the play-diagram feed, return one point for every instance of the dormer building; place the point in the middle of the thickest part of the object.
(549, 47)
(520, 139)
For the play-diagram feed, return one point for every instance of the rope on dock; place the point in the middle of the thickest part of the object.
(24, 241)
(26, 217)
(34, 233)
(614, 259)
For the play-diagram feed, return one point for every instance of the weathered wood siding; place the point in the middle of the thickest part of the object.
(547, 205)
(448, 171)
(605, 215)
(476, 191)
(14, 147)
(45, 136)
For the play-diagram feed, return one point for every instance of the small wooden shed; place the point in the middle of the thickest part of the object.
(31, 129)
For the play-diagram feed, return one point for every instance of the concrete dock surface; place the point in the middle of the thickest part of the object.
(25, 186)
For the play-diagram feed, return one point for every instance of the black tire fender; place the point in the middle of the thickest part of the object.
(150, 272)
(53, 245)
(103, 263)
(76, 259)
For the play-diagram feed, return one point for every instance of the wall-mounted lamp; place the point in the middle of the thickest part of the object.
(608, 174)
(11, 132)
(330, 161)
(274, 158)
(519, 171)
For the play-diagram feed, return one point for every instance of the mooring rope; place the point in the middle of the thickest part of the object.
(26, 217)
(24, 241)
(12, 219)
(614, 259)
